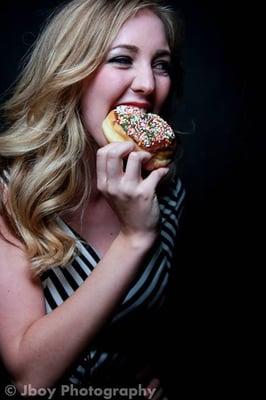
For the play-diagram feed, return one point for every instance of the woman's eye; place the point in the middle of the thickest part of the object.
(122, 60)
(162, 66)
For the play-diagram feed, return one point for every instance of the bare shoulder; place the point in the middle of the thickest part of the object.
(21, 296)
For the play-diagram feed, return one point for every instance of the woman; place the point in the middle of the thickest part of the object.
(86, 245)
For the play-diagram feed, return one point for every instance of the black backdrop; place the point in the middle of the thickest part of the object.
(224, 142)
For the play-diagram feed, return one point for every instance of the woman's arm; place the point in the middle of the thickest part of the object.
(38, 348)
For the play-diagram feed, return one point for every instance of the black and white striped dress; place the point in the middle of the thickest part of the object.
(108, 356)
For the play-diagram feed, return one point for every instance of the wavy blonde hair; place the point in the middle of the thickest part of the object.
(45, 149)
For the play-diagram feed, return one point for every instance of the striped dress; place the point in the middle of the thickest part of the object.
(113, 355)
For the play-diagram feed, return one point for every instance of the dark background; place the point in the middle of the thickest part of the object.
(221, 169)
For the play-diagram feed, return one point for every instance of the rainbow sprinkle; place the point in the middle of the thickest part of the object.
(146, 129)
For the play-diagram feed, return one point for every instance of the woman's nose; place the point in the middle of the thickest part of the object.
(143, 81)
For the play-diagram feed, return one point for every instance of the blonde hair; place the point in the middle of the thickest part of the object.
(48, 156)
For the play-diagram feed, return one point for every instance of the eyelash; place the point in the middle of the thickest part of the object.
(161, 65)
(124, 60)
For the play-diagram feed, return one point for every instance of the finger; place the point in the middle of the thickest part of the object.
(115, 155)
(101, 169)
(134, 164)
(154, 178)
(101, 161)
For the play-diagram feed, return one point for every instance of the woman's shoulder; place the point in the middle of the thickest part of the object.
(14, 265)
(21, 296)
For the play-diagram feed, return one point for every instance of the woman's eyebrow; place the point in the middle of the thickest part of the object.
(163, 53)
(126, 46)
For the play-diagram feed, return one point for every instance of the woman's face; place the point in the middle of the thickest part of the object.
(135, 72)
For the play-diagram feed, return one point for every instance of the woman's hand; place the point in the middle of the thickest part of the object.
(131, 196)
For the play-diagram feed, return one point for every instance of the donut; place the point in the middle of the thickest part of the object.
(148, 131)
